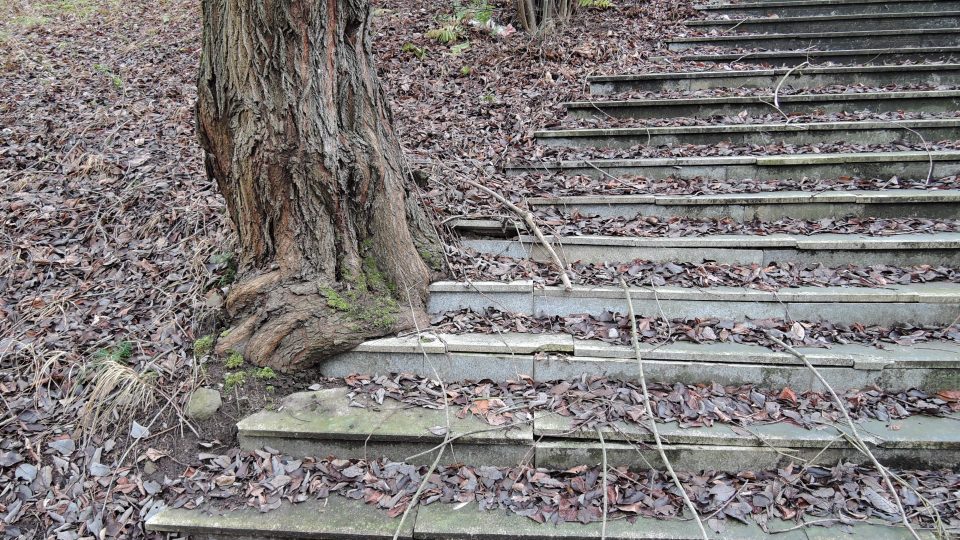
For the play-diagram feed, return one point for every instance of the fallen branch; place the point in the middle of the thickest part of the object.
(529, 220)
(653, 422)
(854, 433)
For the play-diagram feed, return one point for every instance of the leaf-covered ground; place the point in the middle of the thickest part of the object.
(115, 251)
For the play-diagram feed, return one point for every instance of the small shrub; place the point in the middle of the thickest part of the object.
(410, 48)
(596, 4)
(457, 50)
(120, 353)
(466, 70)
(447, 33)
(234, 380)
(203, 345)
(265, 374)
(234, 361)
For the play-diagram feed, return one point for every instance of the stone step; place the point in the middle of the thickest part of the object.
(769, 206)
(704, 107)
(807, 8)
(552, 357)
(323, 423)
(879, 56)
(917, 304)
(334, 517)
(863, 39)
(806, 77)
(828, 249)
(830, 23)
(339, 518)
(795, 167)
(798, 133)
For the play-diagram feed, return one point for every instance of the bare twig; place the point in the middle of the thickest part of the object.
(603, 474)
(529, 220)
(861, 444)
(653, 423)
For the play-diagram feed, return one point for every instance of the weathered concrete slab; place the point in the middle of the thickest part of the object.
(767, 206)
(788, 8)
(332, 518)
(863, 132)
(706, 107)
(806, 77)
(451, 296)
(827, 249)
(323, 423)
(566, 453)
(442, 522)
(905, 165)
(831, 23)
(508, 343)
(933, 37)
(925, 303)
(853, 55)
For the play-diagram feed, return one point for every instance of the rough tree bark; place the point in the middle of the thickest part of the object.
(297, 133)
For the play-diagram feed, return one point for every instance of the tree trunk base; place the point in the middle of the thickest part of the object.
(289, 325)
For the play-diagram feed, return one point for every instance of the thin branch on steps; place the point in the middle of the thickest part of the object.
(634, 335)
(529, 220)
(603, 472)
(860, 443)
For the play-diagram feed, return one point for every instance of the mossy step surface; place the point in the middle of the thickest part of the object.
(705, 107)
(323, 423)
(332, 518)
(806, 77)
(338, 518)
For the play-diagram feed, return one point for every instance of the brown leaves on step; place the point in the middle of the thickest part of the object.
(575, 224)
(844, 493)
(594, 402)
(467, 264)
(615, 328)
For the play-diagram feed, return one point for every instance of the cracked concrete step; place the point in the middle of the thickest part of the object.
(830, 23)
(878, 56)
(323, 423)
(334, 517)
(806, 77)
(798, 133)
(864, 39)
(551, 357)
(920, 304)
(791, 8)
(705, 107)
(340, 518)
(911, 165)
(828, 249)
(768, 206)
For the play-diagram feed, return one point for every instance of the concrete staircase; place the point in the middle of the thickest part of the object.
(845, 42)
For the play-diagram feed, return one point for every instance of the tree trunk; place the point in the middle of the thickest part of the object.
(297, 133)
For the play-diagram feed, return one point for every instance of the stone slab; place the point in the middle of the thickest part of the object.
(508, 343)
(441, 522)
(864, 132)
(334, 518)
(833, 7)
(808, 77)
(917, 432)
(933, 37)
(851, 56)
